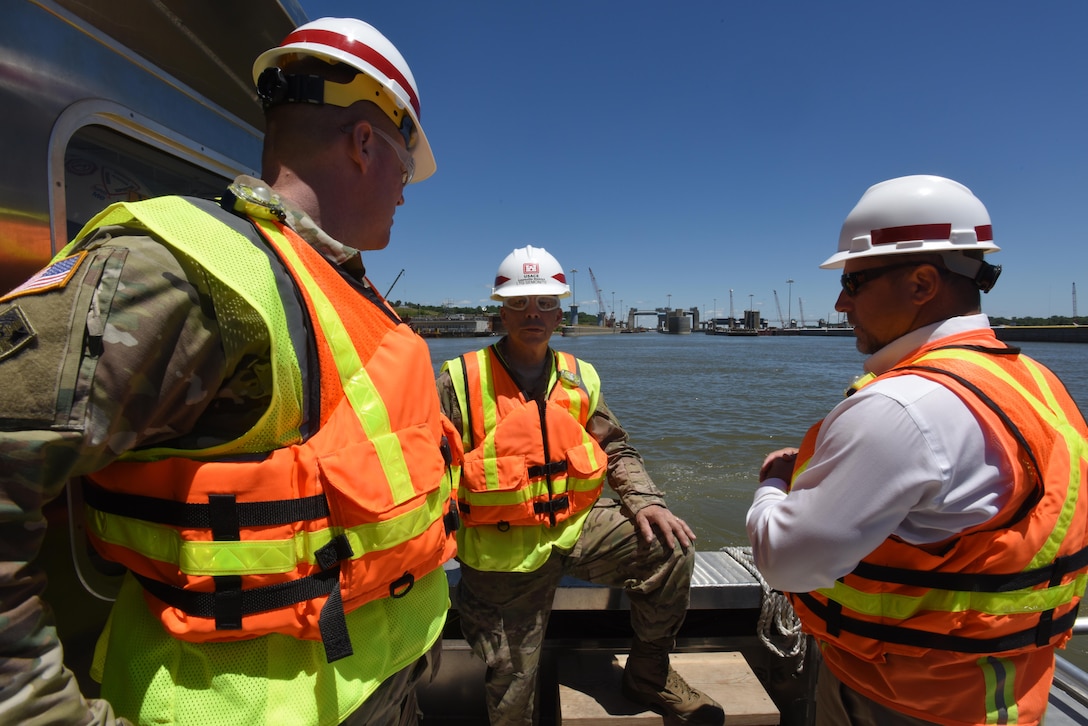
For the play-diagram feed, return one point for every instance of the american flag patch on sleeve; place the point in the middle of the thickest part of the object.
(54, 277)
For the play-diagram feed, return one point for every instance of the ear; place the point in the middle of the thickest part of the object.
(362, 144)
(925, 284)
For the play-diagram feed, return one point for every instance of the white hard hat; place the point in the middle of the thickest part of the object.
(914, 214)
(384, 77)
(529, 271)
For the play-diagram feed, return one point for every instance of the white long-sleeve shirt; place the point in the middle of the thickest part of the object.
(903, 456)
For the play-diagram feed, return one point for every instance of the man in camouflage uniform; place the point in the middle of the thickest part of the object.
(511, 569)
(119, 347)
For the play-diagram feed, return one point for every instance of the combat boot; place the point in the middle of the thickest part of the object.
(650, 681)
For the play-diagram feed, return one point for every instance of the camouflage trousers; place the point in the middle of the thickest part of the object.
(504, 614)
(395, 702)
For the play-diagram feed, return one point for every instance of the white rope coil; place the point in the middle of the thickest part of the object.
(776, 611)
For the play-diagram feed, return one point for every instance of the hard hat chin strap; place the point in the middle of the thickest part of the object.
(981, 272)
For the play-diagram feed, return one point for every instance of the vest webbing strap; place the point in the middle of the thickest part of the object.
(229, 603)
(1047, 628)
(201, 516)
(976, 582)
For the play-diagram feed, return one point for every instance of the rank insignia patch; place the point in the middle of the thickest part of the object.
(15, 332)
(53, 277)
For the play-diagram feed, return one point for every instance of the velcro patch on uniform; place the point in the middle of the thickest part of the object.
(53, 277)
(15, 332)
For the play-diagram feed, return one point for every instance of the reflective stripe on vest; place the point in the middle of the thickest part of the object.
(1034, 563)
(229, 544)
(528, 463)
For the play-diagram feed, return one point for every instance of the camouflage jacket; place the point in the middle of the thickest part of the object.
(123, 353)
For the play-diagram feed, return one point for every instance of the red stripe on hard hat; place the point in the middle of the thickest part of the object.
(908, 233)
(984, 233)
(561, 277)
(358, 49)
(499, 280)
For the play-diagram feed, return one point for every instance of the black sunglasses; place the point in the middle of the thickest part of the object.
(852, 281)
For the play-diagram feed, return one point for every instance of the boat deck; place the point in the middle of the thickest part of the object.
(588, 637)
(587, 640)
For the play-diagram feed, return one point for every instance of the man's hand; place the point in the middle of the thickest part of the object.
(657, 521)
(778, 465)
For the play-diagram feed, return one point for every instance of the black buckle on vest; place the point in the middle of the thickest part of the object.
(332, 553)
(551, 468)
(452, 518)
(447, 452)
(559, 504)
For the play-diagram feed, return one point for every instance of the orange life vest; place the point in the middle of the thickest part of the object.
(527, 463)
(336, 498)
(986, 607)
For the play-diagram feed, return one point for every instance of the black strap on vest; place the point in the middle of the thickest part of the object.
(899, 635)
(205, 516)
(467, 424)
(977, 582)
(230, 603)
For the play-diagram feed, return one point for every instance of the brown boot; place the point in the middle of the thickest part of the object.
(649, 680)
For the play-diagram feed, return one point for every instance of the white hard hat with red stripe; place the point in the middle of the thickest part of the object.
(913, 214)
(529, 271)
(384, 77)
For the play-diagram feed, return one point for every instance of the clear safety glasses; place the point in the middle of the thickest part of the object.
(407, 163)
(544, 303)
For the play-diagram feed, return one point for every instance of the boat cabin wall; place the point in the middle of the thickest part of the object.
(88, 120)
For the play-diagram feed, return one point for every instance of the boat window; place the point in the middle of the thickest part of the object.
(103, 166)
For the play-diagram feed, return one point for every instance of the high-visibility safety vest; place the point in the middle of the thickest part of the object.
(528, 464)
(337, 497)
(987, 607)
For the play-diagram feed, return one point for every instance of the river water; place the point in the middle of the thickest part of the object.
(703, 410)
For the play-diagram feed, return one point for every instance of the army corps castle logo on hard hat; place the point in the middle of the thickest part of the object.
(529, 271)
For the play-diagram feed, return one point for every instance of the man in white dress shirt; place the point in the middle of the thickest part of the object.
(929, 529)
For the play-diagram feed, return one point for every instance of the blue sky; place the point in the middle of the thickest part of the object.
(683, 149)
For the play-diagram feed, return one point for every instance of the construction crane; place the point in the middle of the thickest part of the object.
(394, 283)
(600, 299)
(781, 320)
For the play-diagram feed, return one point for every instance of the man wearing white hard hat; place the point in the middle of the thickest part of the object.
(540, 444)
(261, 441)
(931, 529)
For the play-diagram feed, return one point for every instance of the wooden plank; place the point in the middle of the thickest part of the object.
(589, 689)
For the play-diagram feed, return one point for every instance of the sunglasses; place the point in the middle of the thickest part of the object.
(852, 281)
(544, 303)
